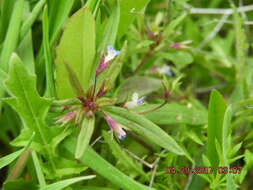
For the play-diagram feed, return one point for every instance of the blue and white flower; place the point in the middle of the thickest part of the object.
(165, 69)
(111, 54)
(136, 101)
(104, 63)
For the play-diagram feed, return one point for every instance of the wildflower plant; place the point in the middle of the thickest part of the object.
(109, 95)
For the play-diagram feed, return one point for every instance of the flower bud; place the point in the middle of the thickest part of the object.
(116, 127)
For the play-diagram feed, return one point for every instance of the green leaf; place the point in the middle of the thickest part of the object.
(226, 132)
(248, 158)
(172, 26)
(93, 188)
(65, 183)
(27, 103)
(129, 10)
(25, 99)
(66, 167)
(180, 58)
(111, 29)
(22, 139)
(58, 13)
(19, 184)
(174, 113)
(6, 160)
(12, 35)
(87, 128)
(50, 84)
(77, 49)
(27, 24)
(216, 110)
(38, 169)
(104, 168)
(122, 156)
(25, 50)
(6, 11)
(141, 85)
(93, 5)
(144, 127)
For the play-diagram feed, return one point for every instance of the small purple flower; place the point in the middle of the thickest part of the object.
(116, 127)
(136, 101)
(181, 45)
(165, 69)
(110, 55)
(67, 117)
(141, 100)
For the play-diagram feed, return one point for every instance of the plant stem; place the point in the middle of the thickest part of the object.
(154, 109)
(143, 61)
(38, 169)
(19, 166)
(227, 11)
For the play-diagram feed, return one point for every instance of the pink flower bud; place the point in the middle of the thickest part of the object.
(103, 65)
(67, 117)
(116, 127)
(110, 55)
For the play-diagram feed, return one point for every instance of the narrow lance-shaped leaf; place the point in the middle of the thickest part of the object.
(93, 5)
(12, 35)
(144, 127)
(216, 110)
(93, 188)
(77, 48)
(65, 183)
(50, 84)
(6, 160)
(25, 47)
(104, 168)
(111, 29)
(58, 13)
(6, 10)
(226, 132)
(122, 156)
(87, 128)
(27, 24)
(174, 113)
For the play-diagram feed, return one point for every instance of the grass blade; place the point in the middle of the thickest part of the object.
(122, 156)
(65, 183)
(50, 88)
(27, 24)
(12, 36)
(6, 160)
(104, 168)
(38, 169)
(216, 110)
